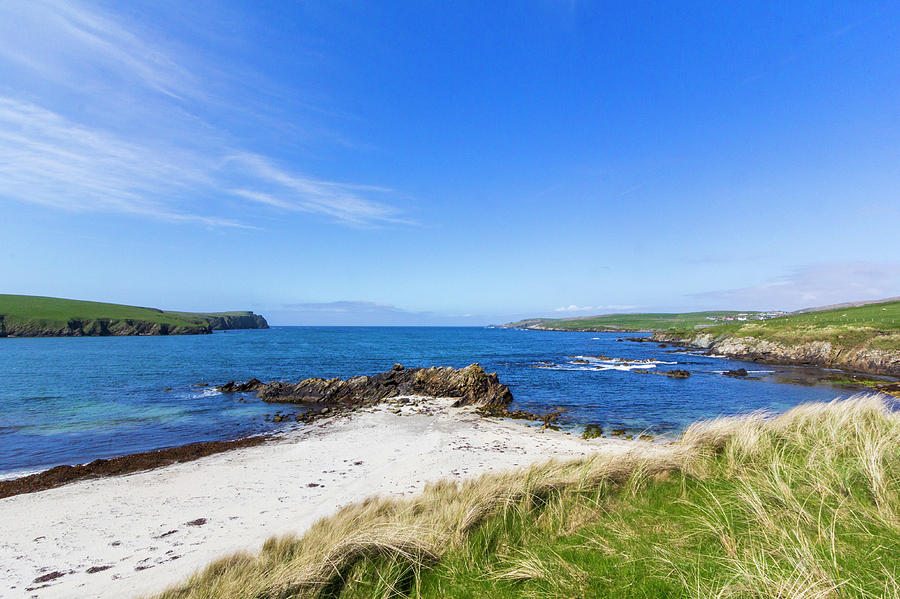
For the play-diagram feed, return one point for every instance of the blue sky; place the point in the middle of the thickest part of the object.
(417, 163)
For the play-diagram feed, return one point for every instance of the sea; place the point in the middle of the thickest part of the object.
(72, 400)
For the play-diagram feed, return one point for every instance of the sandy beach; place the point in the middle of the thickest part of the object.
(132, 535)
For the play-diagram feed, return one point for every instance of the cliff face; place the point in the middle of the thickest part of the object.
(470, 385)
(223, 322)
(100, 327)
(811, 353)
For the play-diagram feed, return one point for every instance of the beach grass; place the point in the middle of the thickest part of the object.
(801, 505)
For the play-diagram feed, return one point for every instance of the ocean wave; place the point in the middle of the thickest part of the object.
(18, 474)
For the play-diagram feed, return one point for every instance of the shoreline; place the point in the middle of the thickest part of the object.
(142, 532)
(131, 463)
(778, 355)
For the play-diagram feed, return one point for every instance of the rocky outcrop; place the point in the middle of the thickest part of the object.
(470, 386)
(223, 322)
(811, 353)
(100, 327)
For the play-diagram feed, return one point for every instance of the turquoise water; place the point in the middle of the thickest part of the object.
(70, 400)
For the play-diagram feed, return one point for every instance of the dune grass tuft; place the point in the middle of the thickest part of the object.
(801, 505)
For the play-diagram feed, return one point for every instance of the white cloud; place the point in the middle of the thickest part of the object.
(814, 285)
(84, 41)
(614, 307)
(573, 308)
(344, 202)
(135, 141)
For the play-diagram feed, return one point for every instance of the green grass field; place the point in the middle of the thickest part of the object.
(35, 313)
(627, 322)
(805, 505)
(876, 326)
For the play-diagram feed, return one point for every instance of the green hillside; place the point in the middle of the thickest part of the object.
(876, 326)
(36, 316)
(626, 322)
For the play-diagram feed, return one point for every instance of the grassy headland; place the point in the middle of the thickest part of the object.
(640, 322)
(803, 505)
(864, 338)
(876, 325)
(33, 316)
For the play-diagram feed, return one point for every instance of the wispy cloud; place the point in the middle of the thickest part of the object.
(137, 140)
(613, 307)
(814, 285)
(84, 40)
(346, 203)
(46, 159)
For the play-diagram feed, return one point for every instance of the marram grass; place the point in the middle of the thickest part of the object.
(801, 505)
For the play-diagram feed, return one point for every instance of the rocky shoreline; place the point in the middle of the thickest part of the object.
(814, 353)
(127, 464)
(468, 386)
(121, 327)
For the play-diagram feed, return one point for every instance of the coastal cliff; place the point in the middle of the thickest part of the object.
(36, 316)
(826, 354)
(470, 385)
(99, 327)
(224, 322)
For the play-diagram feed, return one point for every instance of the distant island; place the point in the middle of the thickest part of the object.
(36, 316)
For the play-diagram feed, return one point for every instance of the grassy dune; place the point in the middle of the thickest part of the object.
(802, 505)
(624, 322)
(876, 326)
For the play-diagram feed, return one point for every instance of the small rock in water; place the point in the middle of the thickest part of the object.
(678, 374)
(737, 372)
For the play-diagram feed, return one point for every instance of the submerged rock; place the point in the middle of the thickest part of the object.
(470, 385)
(677, 374)
(737, 372)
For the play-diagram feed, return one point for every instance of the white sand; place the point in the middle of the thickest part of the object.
(248, 495)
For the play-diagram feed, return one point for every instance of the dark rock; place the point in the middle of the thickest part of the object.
(95, 569)
(49, 576)
(232, 387)
(222, 322)
(738, 372)
(197, 522)
(470, 385)
(677, 374)
(592, 431)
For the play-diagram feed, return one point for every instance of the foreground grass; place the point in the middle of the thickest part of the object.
(803, 505)
(627, 322)
(876, 326)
